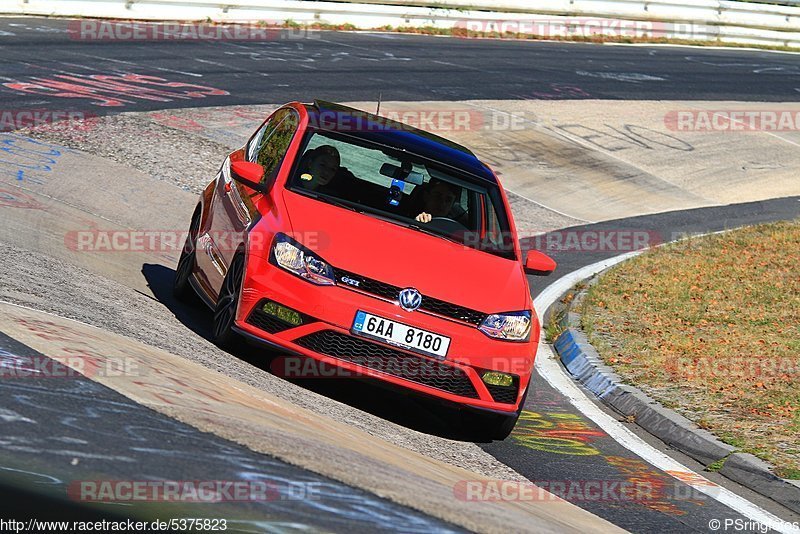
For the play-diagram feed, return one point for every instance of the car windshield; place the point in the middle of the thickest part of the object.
(405, 189)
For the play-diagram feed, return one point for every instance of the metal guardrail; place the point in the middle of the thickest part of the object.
(509, 6)
(728, 21)
(774, 2)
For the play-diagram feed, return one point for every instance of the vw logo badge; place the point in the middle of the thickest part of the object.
(410, 299)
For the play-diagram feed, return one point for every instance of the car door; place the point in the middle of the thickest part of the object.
(233, 207)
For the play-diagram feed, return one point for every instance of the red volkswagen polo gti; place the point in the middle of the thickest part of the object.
(374, 248)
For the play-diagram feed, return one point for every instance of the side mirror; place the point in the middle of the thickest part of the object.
(249, 174)
(538, 263)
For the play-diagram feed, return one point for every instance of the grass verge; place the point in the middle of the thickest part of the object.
(711, 328)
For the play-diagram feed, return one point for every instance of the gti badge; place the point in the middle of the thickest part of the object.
(410, 299)
(350, 281)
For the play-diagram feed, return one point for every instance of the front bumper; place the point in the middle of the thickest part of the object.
(324, 335)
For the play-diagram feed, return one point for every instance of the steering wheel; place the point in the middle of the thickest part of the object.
(447, 225)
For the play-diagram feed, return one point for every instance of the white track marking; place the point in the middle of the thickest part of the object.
(549, 367)
(537, 125)
(10, 416)
(466, 67)
(218, 64)
(569, 137)
(122, 62)
(548, 208)
(742, 48)
(577, 140)
(630, 77)
(776, 136)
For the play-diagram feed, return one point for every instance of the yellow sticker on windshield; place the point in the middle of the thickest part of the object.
(305, 176)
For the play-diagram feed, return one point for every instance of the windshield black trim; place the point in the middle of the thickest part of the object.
(492, 190)
(364, 143)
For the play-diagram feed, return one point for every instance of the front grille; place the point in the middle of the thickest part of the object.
(451, 310)
(430, 304)
(393, 362)
(505, 394)
(271, 324)
(368, 285)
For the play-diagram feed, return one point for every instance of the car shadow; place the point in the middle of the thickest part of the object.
(413, 411)
(196, 316)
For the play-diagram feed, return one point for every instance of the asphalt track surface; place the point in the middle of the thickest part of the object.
(43, 65)
(127, 441)
(603, 458)
(401, 68)
(588, 454)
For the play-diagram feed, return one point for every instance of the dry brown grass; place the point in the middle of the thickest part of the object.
(464, 33)
(711, 328)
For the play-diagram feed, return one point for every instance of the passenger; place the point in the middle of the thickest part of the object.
(320, 170)
(438, 200)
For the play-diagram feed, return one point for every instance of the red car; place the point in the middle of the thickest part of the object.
(374, 248)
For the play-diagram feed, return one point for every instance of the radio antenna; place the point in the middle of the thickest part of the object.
(378, 111)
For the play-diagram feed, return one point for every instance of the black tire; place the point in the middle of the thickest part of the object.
(222, 333)
(486, 427)
(181, 287)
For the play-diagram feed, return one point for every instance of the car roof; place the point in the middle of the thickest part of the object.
(376, 129)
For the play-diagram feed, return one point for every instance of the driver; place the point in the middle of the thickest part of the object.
(437, 201)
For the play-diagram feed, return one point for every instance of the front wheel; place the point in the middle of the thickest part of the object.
(485, 427)
(223, 334)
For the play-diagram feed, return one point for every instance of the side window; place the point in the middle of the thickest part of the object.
(496, 234)
(275, 142)
(263, 133)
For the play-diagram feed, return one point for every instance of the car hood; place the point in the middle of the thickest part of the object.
(404, 257)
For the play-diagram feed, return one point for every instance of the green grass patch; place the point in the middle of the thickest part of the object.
(711, 328)
(716, 466)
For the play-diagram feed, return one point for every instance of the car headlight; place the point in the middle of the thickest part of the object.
(511, 326)
(290, 255)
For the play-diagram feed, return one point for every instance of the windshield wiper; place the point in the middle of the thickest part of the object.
(431, 232)
(331, 201)
(496, 252)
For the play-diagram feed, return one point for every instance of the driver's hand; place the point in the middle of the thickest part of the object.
(424, 217)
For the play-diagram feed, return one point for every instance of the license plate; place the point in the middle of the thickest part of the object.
(402, 335)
